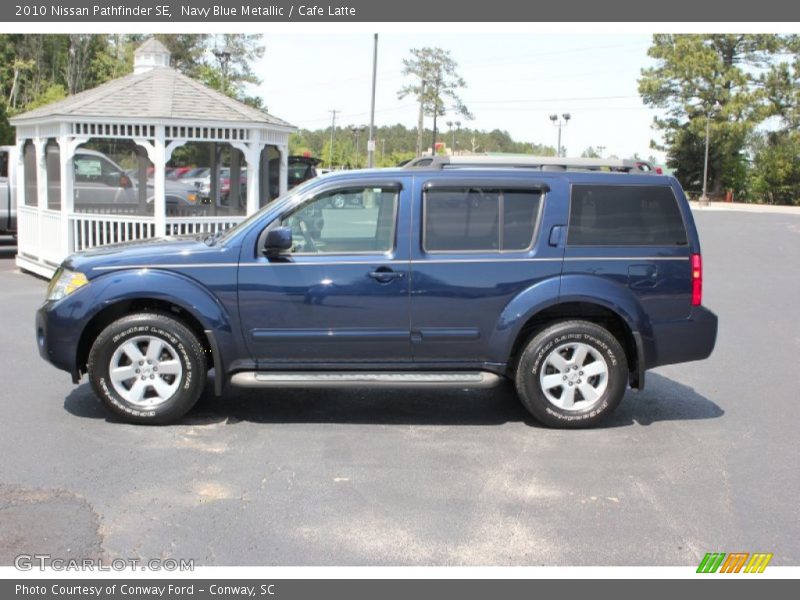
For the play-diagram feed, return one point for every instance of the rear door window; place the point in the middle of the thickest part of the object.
(479, 219)
(625, 215)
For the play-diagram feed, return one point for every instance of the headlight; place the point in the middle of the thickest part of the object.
(191, 197)
(64, 282)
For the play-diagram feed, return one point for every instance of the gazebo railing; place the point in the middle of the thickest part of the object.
(198, 225)
(28, 230)
(41, 233)
(51, 236)
(90, 230)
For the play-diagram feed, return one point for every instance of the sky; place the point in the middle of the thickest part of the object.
(514, 82)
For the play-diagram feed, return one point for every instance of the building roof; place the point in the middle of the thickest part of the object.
(159, 93)
(152, 45)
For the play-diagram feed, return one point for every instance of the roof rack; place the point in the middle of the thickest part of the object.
(526, 161)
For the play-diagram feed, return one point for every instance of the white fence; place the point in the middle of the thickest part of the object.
(90, 231)
(42, 247)
(198, 225)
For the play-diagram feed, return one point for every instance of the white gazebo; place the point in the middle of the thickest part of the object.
(158, 109)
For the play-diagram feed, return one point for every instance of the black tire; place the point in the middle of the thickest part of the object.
(189, 353)
(535, 356)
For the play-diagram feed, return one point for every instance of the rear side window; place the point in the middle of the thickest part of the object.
(479, 219)
(625, 215)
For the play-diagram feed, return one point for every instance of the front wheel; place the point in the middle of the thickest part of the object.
(572, 374)
(147, 368)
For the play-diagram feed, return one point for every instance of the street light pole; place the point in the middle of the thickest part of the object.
(715, 109)
(559, 123)
(371, 141)
(357, 131)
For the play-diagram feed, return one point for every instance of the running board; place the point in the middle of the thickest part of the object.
(304, 379)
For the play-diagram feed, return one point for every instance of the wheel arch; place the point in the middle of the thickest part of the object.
(125, 307)
(186, 301)
(590, 298)
(592, 312)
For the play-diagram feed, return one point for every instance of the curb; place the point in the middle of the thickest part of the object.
(740, 207)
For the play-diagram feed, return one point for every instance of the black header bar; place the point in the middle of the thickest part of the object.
(315, 11)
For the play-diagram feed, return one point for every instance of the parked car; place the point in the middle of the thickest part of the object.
(8, 195)
(300, 170)
(647, 167)
(570, 284)
(102, 183)
(195, 177)
(204, 186)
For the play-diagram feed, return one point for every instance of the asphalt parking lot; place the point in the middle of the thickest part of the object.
(705, 459)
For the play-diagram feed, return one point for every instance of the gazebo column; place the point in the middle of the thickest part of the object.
(141, 175)
(159, 159)
(283, 176)
(20, 187)
(235, 182)
(40, 144)
(213, 186)
(252, 155)
(66, 151)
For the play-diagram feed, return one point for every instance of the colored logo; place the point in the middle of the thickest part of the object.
(735, 562)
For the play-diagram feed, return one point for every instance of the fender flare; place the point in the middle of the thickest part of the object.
(179, 290)
(583, 288)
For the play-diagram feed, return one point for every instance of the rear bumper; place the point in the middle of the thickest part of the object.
(686, 340)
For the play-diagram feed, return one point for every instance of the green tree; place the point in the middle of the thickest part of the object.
(775, 174)
(435, 86)
(692, 74)
(782, 86)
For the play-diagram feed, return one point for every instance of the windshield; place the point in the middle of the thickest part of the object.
(299, 190)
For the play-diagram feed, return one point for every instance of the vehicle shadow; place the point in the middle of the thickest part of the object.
(8, 247)
(663, 400)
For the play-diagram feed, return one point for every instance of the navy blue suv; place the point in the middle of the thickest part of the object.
(571, 284)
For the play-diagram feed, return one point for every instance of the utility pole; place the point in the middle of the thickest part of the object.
(421, 117)
(333, 129)
(435, 114)
(371, 140)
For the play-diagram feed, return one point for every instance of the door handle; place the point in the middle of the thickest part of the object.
(557, 236)
(385, 275)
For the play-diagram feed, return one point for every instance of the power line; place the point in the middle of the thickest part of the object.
(533, 101)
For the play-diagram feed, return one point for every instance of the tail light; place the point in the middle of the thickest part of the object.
(697, 280)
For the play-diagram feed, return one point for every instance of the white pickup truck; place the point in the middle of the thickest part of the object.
(8, 199)
(99, 183)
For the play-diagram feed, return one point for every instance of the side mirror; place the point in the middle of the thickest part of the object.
(125, 181)
(278, 240)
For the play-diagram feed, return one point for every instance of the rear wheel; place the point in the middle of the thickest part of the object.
(572, 374)
(147, 368)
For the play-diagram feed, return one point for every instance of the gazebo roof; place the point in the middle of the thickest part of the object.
(152, 45)
(159, 93)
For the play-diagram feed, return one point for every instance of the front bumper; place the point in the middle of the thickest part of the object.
(58, 330)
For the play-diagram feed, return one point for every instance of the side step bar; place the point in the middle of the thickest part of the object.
(304, 379)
